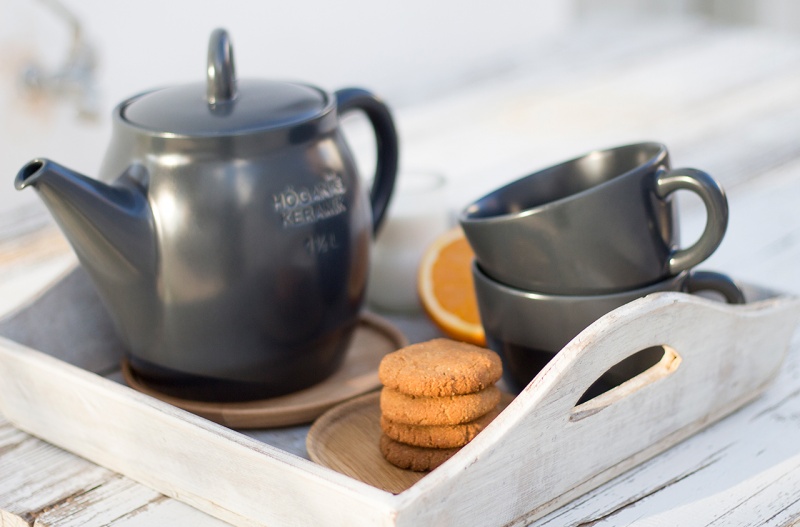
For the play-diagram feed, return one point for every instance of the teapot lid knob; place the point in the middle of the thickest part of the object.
(221, 87)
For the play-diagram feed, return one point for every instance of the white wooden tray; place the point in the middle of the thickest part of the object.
(540, 453)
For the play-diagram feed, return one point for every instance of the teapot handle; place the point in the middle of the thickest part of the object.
(349, 99)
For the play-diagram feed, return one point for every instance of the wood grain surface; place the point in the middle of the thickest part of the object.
(346, 440)
(374, 337)
(724, 100)
(544, 448)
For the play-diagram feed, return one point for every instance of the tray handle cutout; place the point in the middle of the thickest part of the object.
(649, 372)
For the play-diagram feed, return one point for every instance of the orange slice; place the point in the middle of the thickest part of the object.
(446, 289)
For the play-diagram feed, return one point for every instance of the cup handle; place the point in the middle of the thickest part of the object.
(711, 281)
(350, 99)
(716, 205)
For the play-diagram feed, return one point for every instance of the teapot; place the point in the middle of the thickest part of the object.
(229, 233)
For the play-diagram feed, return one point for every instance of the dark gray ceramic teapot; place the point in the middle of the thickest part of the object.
(232, 245)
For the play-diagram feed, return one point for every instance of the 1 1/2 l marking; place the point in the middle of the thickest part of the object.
(321, 243)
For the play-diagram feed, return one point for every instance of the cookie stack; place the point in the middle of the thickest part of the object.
(437, 396)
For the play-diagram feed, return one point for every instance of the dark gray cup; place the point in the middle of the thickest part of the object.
(527, 328)
(600, 223)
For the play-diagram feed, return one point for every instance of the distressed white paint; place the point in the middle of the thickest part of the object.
(546, 451)
(45, 485)
(675, 84)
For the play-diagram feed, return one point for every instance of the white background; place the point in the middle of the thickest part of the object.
(407, 52)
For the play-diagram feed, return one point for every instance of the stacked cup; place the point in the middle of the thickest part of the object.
(558, 249)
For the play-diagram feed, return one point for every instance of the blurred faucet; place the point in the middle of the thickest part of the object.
(75, 78)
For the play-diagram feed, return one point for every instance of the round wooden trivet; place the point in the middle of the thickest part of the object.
(374, 337)
(346, 439)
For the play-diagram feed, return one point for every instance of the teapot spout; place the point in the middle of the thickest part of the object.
(110, 227)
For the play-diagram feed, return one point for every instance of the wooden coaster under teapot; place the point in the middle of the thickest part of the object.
(374, 337)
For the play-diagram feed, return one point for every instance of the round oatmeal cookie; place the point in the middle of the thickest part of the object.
(452, 410)
(418, 459)
(441, 436)
(440, 367)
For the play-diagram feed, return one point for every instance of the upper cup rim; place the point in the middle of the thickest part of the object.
(468, 214)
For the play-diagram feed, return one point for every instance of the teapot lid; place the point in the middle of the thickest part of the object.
(223, 105)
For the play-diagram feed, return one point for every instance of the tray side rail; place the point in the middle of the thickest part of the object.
(217, 470)
(543, 450)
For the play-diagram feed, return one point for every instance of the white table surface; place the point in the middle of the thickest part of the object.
(724, 100)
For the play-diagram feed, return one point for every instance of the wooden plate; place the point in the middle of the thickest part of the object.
(374, 337)
(346, 438)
